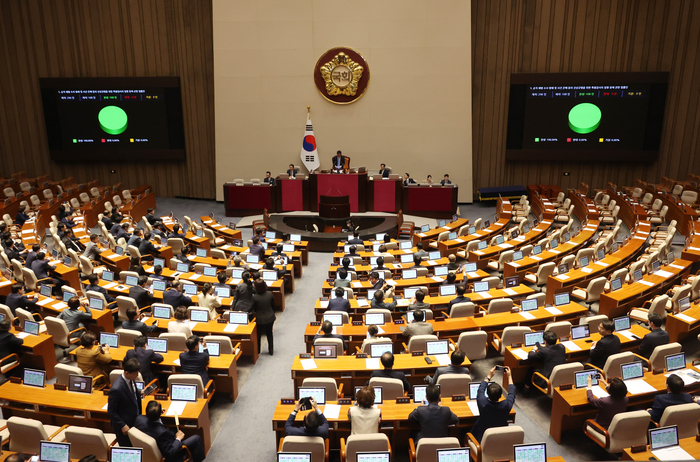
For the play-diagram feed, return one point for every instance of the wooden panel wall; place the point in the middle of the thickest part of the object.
(107, 38)
(511, 36)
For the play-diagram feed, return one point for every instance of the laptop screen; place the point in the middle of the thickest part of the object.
(616, 284)
(80, 383)
(664, 437)
(622, 323)
(210, 271)
(378, 399)
(54, 452)
(472, 229)
(656, 266)
(554, 244)
(669, 258)
(288, 248)
(319, 394)
(530, 452)
(614, 247)
(213, 348)
(563, 268)
(409, 292)
(34, 378)
(202, 253)
(675, 362)
(109, 339)
(517, 255)
(199, 315)
(481, 286)
(528, 305)
(293, 457)
(183, 268)
(376, 350)
(449, 289)
(637, 275)
(270, 235)
(199, 233)
(469, 267)
(532, 338)
(405, 245)
(584, 262)
(161, 312)
(579, 332)
(425, 228)
(436, 347)
(499, 240)
(407, 258)
(567, 236)
(125, 454)
(269, 275)
(684, 303)
(511, 281)
(526, 229)
(561, 299)
(158, 285)
(183, 392)
(237, 273)
(335, 318)
(131, 281)
(223, 292)
(68, 295)
(238, 317)
(536, 250)
(434, 255)
(441, 223)
(632, 371)
(441, 271)
(119, 250)
(252, 259)
(31, 327)
(295, 237)
(373, 457)
(482, 245)
(45, 290)
(159, 345)
(374, 318)
(419, 393)
(582, 378)
(159, 262)
(409, 274)
(325, 351)
(189, 289)
(96, 304)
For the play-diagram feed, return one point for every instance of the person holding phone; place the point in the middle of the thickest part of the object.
(609, 405)
(492, 412)
(551, 354)
(315, 423)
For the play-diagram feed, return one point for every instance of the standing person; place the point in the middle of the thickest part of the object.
(492, 412)
(124, 402)
(264, 309)
(433, 418)
(243, 296)
(364, 417)
(209, 300)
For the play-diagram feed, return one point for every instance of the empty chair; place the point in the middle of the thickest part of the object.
(561, 328)
(627, 429)
(391, 388)
(330, 385)
(454, 384)
(25, 315)
(689, 197)
(417, 342)
(661, 217)
(26, 434)
(63, 371)
(510, 335)
(620, 274)
(563, 373)
(426, 450)
(9, 192)
(493, 281)
(117, 200)
(657, 305)
(376, 442)
(177, 244)
(498, 265)
(474, 344)
(84, 197)
(85, 441)
(127, 336)
(62, 337)
(176, 341)
(500, 305)
(203, 391)
(387, 313)
(496, 444)
(540, 278)
(225, 344)
(317, 446)
(592, 293)
(684, 416)
(462, 310)
(657, 359)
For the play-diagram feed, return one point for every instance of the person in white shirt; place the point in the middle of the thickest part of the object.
(209, 300)
(180, 325)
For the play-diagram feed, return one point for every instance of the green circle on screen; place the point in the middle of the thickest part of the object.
(113, 120)
(584, 118)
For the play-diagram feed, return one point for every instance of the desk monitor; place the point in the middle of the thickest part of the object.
(567, 236)
(563, 268)
(375, 247)
(553, 244)
(472, 230)
(526, 229)
(373, 456)
(96, 304)
(199, 233)
(419, 393)
(632, 370)
(533, 338)
(159, 262)
(409, 292)
(237, 273)
(669, 258)
(675, 362)
(434, 255)
(159, 345)
(238, 317)
(379, 236)
(482, 245)
(536, 250)
(452, 236)
(622, 323)
(67, 296)
(530, 452)
(293, 457)
(601, 254)
(210, 271)
(45, 290)
(407, 258)
(441, 223)
(528, 304)
(373, 261)
(376, 350)
(499, 240)
(616, 284)
(441, 270)
(614, 247)
(409, 274)
(319, 394)
(335, 318)
(481, 286)
(34, 378)
(80, 383)
(325, 351)
(474, 390)
(655, 266)
(437, 347)
(514, 234)
(236, 242)
(213, 348)
(583, 262)
(664, 437)
(131, 281)
(579, 332)
(561, 299)
(125, 454)
(346, 248)
(295, 237)
(405, 245)
(182, 268)
(202, 253)
(486, 224)
(158, 285)
(269, 276)
(54, 452)
(378, 399)
(638, 275)
(199, 315)
(252, 259)
(684, 304)
(582, 378)
(469, 267)
(511, 281)
(517, 255)
(425, 228)
(374, 318)
(119, 250)
(370, 293)
(189, 289)
(270, 235)
(31, 327)
(54, 252)
(161, 312)
(2, 317)
(223, 292)
(109, 339)
(449, 289)
(183, 392)
(288, 248)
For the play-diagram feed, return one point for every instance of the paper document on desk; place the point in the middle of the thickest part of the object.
(194, 276)
(697, 249)
(5, 283)
(473, 407)
(432, 262)
(191, 257)
(150, 270)
(555, 251)
(45, 301)
(104, 408)
(380, 330)
(23, 335)
(447, 228)
(520, 353)
(646, 283)
(685, 317)
(505, 246)
(230, 328)
(639, 386)
(599, 392)
(308, 364)
(627, 333)
(562, 277)
(110, 285)
(663, 274)
(331, 411)
(510, 291)
(586, 270)
(362, 302)
(512, 263)
(372, 363)
(391, 282)
(553, 310)
(27, 231)
(673, 453)
(477, 252)
(473, 274)
(176, 408)
(437, 279)
(421, 234)
(443, 360)
(536, 258)
(112, 256)
(601, 263)
(484, 294)
(356, 284)
(60, 306)
(527, 315)
(177, 362)
(687, 375)
(407, 251)
(191, 324)
(571, 346)
(324, 303)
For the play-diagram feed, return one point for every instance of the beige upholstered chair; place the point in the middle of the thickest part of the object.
(561, 328)
(498, 265)
(417, 342)
(225, 344)
(474, 344)
(612, 367)
(454, 384)
(85, 441)
(540, 278)
(367, 343)
(331, 341)
(510, 335)
(391, 388)
(462, 310)
(376, 442)
(500, 305)
(123, 304)
(627, 429)
(496, 444)
(333, 392)
(683, 415)
(426, 450)
(592, 293)
(563, 373)
(150, 452)
(657, 359)
(26, 434)
(193, 379)
(127, 337)
(176, 341)
(317, 446)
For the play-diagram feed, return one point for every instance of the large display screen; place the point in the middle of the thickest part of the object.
(586, 117)
(93, 119)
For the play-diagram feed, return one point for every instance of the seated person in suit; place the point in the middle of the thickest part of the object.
(373, 332)
(460, 298)
(92, 249)
(12, 251)
(158, 275)
(182, 257)
(9, 343)
(146, 247)
(446, 180)
(181, 324)
(407, 179)
(222, 278)
(194, 362)
(135, 238)
(450, 279)
(417, 260)
(367, 416)
(122, 232)
(327, 329)
(338, 161)
(352, 251)
(417, 302)
(260, 234)
(174, 297)
(94, 286)
(73, 317)
(170, 446)
(433, 418)
(656, 337)
(133, 322)
(429, 179)
(452, 264)
(31, 256)
(346, 264)
(71, 242)
(339, 303)
(93, 359)
(608, 345)
(291, 171)
(139, 293)
(380, 264)
(269, 179)
(455, 367)
(17, 299)
(420, 252)
(383, 171)
(256, 248)
(270, 266)
(377, 283)
(378, 300)
(551, 354)
(23, 214)
(388, 372)
(160, 231)
(609, 405)
(145, 357)
(176, 232)
(674, 395)
(107, 220)
(492, 412)
(418, 326)
(341, 278)
(315, 423)
(42, 268)
(151, 218)
(356, 239)
(135, 266)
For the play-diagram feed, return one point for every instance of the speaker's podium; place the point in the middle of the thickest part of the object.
(334, 207)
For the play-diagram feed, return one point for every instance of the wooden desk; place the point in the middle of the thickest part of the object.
(433, 234)
(431, 201)
(684, 215)
(691, 251)
(679, 328)
(482, 257)
(38, 352)
(395, 268)
(138, 208)
(690, 446)
(190, 237)
(453, 246)
(220, 230)
(302, 246)
(102, 318)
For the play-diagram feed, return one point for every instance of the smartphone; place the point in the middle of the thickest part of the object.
(500, 368)
(588, 341)
(428, 360)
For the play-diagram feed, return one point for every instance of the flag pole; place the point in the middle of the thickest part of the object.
(308, 109)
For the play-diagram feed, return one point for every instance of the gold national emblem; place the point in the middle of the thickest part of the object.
(342, 75)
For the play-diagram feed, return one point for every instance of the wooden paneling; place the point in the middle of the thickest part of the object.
(107, 38)
(511, 36)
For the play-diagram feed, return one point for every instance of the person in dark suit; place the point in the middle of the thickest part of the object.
(133, 322)
(158, 275)
(420, 252)
(388, 372)
(356, 239)
(378, 300)
(291, 171)
(674, 395)
(139, 293)
(194, 362)
(22, 216)
(418, 326)
(338, 161)
(135, 238)
(150, 216)
(380, 265)
(122, 232)
(170, 446)
(174, 296)
(408, 180)
(107, 220)
(31, 256)
(114, 230)
(42, 268)
(315, 423)
(418, 302)
(377, 283)
(656, 337)
(460, 298)
(493, 413)
(12, 251)
(608, 345)
(455, 367)
(124, 402)
(446, 180)
(339, 303)
(452, 265)
(176, 232)
(264, 309)
(94, 285)
(550, 355)
(71, 242)
(146, 247)
(609, 405)
(269, 178)
(145, 357)
(327, 329)
(383, 171)
(17, 299)
(433, 418)
(9, 343)
(256, 248)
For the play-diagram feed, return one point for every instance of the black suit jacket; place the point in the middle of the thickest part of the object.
(152, 219)
(335, 161)
(15, 301)
(9, 343)
(146, 358)
(492, 414)
(174, 298)
(391, 374)
(459, 299)
(339, 304)
(384, 173)
(270, 180)
(168, 445)
(141, 295)
(146, 247)
(606, 346)
(434, 420)
(139, 326)
(31, 256)
(292, 173)
(653, 339)
(550, 356)
(357, 241)
(123, 405)
(194, 362)
(108, 223)
(103, 291)
(122, 233)
(41, 268)
(661, 402)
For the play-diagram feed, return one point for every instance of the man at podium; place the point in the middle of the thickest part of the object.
(338, 162)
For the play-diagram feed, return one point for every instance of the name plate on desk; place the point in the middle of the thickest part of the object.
(417, 353)
(439, 319)
(516, 345)
(403, 400)
(222, 321)
(287, 401)
(315, 323)
(342, 401)
(399, 321)
(304, 356)
(459, 397)
(566, 386)
(15, 380)
(357, 323)
(479, 314)
(361, 355)
(60, 386)
(161, 396)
